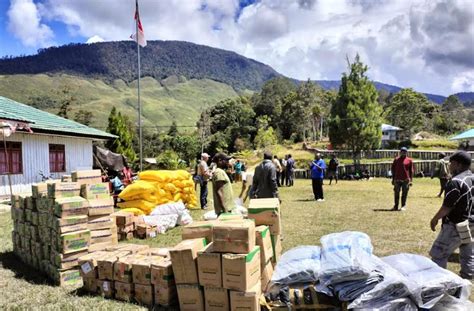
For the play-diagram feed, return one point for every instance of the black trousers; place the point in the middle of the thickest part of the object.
(318, 188)
(404, 186)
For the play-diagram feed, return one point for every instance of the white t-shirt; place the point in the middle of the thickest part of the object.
(248, 177)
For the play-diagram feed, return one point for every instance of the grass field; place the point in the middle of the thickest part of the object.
(350, 205)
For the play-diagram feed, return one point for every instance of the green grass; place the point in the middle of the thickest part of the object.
(350, 205)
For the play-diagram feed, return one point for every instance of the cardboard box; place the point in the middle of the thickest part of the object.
(103, 235)
(123, 269)
(34, 218)
(100, 222)
(124, 291)
(45, 204)
(95, 191)
(241, 271)
(90, 285)
(229, 216)
(184, 257)
(102, 246)
(165, 296)
(122, 236)
(78, 176)
(88, 264)
(66, 261)
(130, 228)
(198, 229)
(66, 178)
(234, 237)
(105, 288)
(73, 206)
(264, 240)
(70, 224)
(162, 273)
(123, 218)
(144, 231)
(216, 299)
(144, 294)
(30, 203)
(141, 268)
(277, 248)
(190, 298)
(157, 251)
(74, 241)
(248, 301)
(209, 267)
(267, 273)
(40, 190)
(68, 278)
(63, 190)
(266, 212)
(105, 265)
(132, 248)
(101, 207)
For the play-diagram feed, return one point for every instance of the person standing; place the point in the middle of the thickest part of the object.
(277, 164)
(221, 185)
(238, 171)
(283, 170)
(264, 180)
(317, 167)
(332, 168)
(402, 178)
(203, 174)
(247, 181)
(441, 171)
(290, 170)
(456, 213)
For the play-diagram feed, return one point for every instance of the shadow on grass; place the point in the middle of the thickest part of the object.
(384, 210)
(304, 200)
(8, 260)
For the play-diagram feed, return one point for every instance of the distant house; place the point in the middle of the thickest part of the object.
(389, 133)
(466, 138)
(39, 142)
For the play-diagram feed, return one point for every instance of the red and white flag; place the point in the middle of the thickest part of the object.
(140, 37)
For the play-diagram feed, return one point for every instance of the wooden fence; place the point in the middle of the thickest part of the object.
(389, 154)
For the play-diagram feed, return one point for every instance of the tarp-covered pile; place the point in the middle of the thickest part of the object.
(156, 188)
(345, 268)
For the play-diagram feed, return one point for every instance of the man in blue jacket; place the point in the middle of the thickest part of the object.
(318, 166)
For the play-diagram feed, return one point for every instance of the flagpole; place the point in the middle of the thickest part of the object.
(139, 104)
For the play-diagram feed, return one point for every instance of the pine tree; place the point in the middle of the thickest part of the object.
(120, 126)
(356, 115)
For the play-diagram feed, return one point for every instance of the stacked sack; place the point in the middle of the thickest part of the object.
(156, 188)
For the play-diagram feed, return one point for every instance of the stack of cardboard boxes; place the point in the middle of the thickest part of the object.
(130, 226)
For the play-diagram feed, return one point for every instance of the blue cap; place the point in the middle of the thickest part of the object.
(404, 149)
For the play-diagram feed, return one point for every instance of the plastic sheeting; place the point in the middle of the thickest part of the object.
(453, 304)
(432, 282)
(299, 265)
(162, 222)
(176, 208)
(400, 304)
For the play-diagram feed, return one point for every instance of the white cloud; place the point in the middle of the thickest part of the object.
(24, 22)
(464, 82)
(94, 39)
(424, 44)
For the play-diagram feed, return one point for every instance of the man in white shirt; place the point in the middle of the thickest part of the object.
(247, 181)
(204, 174)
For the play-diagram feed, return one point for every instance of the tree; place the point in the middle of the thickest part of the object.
(356, 115)
(83, 117)
(405, 110)
(173, 131)
(66, 100)
(265, 135)
(121, 126)
(452, 117)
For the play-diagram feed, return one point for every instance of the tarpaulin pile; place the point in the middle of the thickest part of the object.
(156, 188)
(345, 268)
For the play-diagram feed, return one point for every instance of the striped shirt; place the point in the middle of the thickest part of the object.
(459, 197)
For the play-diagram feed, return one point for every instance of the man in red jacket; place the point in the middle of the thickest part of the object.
(402, 177)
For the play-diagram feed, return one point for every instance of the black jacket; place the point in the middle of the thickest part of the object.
(264, 181)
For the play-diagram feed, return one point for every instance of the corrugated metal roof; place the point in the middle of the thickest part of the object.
(45, 121)
(388, 127)
(465, 135)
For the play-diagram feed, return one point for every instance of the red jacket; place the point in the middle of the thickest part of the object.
(402, 168)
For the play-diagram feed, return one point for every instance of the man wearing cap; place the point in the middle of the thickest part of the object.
(457, 217)
(265, 179)
(204, 174)
(221, 185)
(441, 171)
(402, 177)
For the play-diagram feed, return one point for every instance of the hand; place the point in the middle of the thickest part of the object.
(433, 224)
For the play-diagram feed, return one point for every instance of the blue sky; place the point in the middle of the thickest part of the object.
(424, 44)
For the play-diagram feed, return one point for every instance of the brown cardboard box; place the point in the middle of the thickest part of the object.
(190, 298)
(87, 176)
(248, 301)
(132, 248)
(277, 249)
(104, 235)
(123, 218)
(209, 267)
(123, 269)
(264, 240)
(68, 278)
(157, 251)
(266, 212)
(101, 207)
(72, 206)
(267, 273)
(66, 178)
(102, 246)
(64, 190)
(100, 222)
(144, 231)
(162, 273)
(216, 299)
(105, 288)
(234, 236)
(125, 236)
(130, 228)
(165, 296)
(90, 285)
(88, 264)
(241, 271)
(198, 229)
(95, 191)
(66, 261)
(68, 221)
(229, 216)
(70, 228)
(39, 190)
(105, 264)
(144, 294)
(141, 268)
(184, 260)
(74, 241)
(124, 291)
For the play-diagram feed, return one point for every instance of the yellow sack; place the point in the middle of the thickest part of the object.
(136, 189)
(151, 175)
(171, 188)
(135, 211)
(143, 205)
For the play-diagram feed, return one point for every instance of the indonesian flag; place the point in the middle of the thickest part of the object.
(141, 35)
